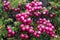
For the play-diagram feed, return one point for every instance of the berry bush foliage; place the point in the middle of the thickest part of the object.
(29, 20)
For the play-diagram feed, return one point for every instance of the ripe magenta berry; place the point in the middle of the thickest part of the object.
(9, 31)
(27, 27)
(13, 33)
(35, 33)
(22, 25)
(23, 29)
(22, 35)
(31, 31)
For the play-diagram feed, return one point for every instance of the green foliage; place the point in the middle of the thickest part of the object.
(15, 2)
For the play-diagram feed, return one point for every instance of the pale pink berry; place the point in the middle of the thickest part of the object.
(9, 31)
(39, 32)
(38, 35)
(26, 36)
(9, 35)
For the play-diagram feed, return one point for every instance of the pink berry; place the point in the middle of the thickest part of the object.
(8, 28)
(19, 5)
(42, 26)
(39, 32)
(39, 13)
(8, 3)
(26, 36)
(47, 32)
(9, 35)
(40, 29)
(44, 22)
(52, 35)
(18, 9)
(29, 8)
(40, 19)
(35, 4)
(9, 31)
(31, 31)
(46, 28)
(35, 8)
(6, 9)
(22, 25)
(50, 29)
(22, 17)
(27, 27)
(4, 1)
(51, 16)
(23, 29)
(18, 15)
(15, 10)
(41, 22)
(46, 11)
(24, 21)
(32, 2)
(49, 24)
(39, 3)
(22, 35)
(29, 20)
(37, 22)
(13, 33)
(35, 33)
(31, 27)
(38, 26)
(40, 8)
(25, 16)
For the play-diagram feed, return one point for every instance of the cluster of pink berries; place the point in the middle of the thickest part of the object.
(10, 32)
(30, 30)
(35, 8)
(6, 6)
(45, 12)
(16, 9)
(52, 15)
(24, 18)
(27, 28)
(45, 26)
(24, 36)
